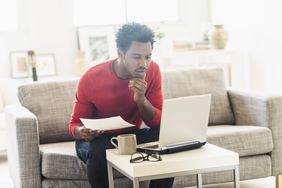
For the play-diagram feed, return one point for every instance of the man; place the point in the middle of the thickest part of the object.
(130, 87)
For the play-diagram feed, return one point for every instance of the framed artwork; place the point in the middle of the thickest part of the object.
(45, 64)
(98, 43)
(21, 68)
(19, 64)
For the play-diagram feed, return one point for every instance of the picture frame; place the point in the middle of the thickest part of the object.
(19, 67)
(46, 65)
(98, 43)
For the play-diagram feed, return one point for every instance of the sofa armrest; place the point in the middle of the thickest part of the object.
(253, 109)
(23, 147)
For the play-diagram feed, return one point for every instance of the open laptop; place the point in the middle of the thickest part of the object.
(184, 125)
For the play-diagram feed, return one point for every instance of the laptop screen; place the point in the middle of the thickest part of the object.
(184, 119)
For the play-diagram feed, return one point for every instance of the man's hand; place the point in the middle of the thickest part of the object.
(139, 86)
(87, 134)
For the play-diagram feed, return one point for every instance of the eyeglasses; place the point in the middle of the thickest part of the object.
(139, 157)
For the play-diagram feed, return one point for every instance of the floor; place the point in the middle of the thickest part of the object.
(6, 182)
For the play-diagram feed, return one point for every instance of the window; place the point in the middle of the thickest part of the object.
(8, 15)
(97, 12)
(152, 10)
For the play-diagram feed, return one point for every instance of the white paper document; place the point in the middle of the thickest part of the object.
(106, 124)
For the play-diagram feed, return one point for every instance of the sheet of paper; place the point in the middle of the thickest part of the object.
(106, 124)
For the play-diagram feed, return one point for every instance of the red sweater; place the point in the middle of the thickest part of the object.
(101, 94)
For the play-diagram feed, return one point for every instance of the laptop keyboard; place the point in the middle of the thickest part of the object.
(152, 146)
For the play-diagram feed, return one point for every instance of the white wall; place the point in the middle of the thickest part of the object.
(46, 26)
(192, 17)
(272, 28)
(255, 27)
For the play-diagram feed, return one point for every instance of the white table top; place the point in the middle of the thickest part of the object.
(208, 156)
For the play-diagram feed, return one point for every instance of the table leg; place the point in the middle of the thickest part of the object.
(110, 175)
(278, 181)
(236, 173)
(199, 181)
(135, 183)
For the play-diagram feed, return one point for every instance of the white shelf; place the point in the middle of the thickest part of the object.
(3, 133)
(2, 121)
(233, 63)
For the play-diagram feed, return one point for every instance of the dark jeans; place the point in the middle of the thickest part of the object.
(94, 155)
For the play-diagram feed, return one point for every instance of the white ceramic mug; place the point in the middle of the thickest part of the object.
(126, 143)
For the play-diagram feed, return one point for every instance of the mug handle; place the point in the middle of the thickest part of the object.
(112, 141)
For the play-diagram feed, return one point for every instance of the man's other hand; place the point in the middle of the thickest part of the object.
(139, 87)
(87, 134)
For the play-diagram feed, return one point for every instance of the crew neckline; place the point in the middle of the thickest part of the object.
(114, 73)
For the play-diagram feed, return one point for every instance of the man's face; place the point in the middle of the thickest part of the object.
(137, 59)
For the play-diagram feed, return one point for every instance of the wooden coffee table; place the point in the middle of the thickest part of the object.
(209, 158)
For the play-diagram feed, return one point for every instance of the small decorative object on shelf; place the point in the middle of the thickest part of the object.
(205, 29)
(1, 104)
(159, 34)
(31, 57)
(219, 37)
(81, 64)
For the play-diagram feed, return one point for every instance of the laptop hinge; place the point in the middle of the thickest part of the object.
(183, 143)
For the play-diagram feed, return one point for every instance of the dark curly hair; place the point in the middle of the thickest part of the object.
(133, 32)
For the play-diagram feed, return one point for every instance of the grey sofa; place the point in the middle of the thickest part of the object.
(41, 152)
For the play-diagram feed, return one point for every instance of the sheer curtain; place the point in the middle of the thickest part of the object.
(97, 12)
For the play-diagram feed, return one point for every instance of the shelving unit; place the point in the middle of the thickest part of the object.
(233, 62)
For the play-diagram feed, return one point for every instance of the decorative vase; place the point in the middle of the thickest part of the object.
(219, 37)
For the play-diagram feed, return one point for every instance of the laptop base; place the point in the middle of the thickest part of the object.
(172, 148)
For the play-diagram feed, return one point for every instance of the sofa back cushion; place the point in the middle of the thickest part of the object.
(52, 103)
(184, 82)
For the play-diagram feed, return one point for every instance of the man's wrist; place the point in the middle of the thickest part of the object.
(141, 102)
(77, 132)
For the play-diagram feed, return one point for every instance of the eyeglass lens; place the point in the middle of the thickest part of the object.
(139, 157)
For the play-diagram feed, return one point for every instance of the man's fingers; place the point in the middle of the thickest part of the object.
(84, 135)
(86, 130)
(131, 83)
(97, 132)
(135, 81)
(140, 81)
(89, 132)
(93, 135)
(136, 89)
(144, 76)
(141, 85)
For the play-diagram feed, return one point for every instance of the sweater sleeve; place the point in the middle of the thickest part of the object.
(83, 108)
(155, 97)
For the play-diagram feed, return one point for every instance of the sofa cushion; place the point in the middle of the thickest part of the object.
(245, 140)
(52, 104)
(183, 82)
(59, 161)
